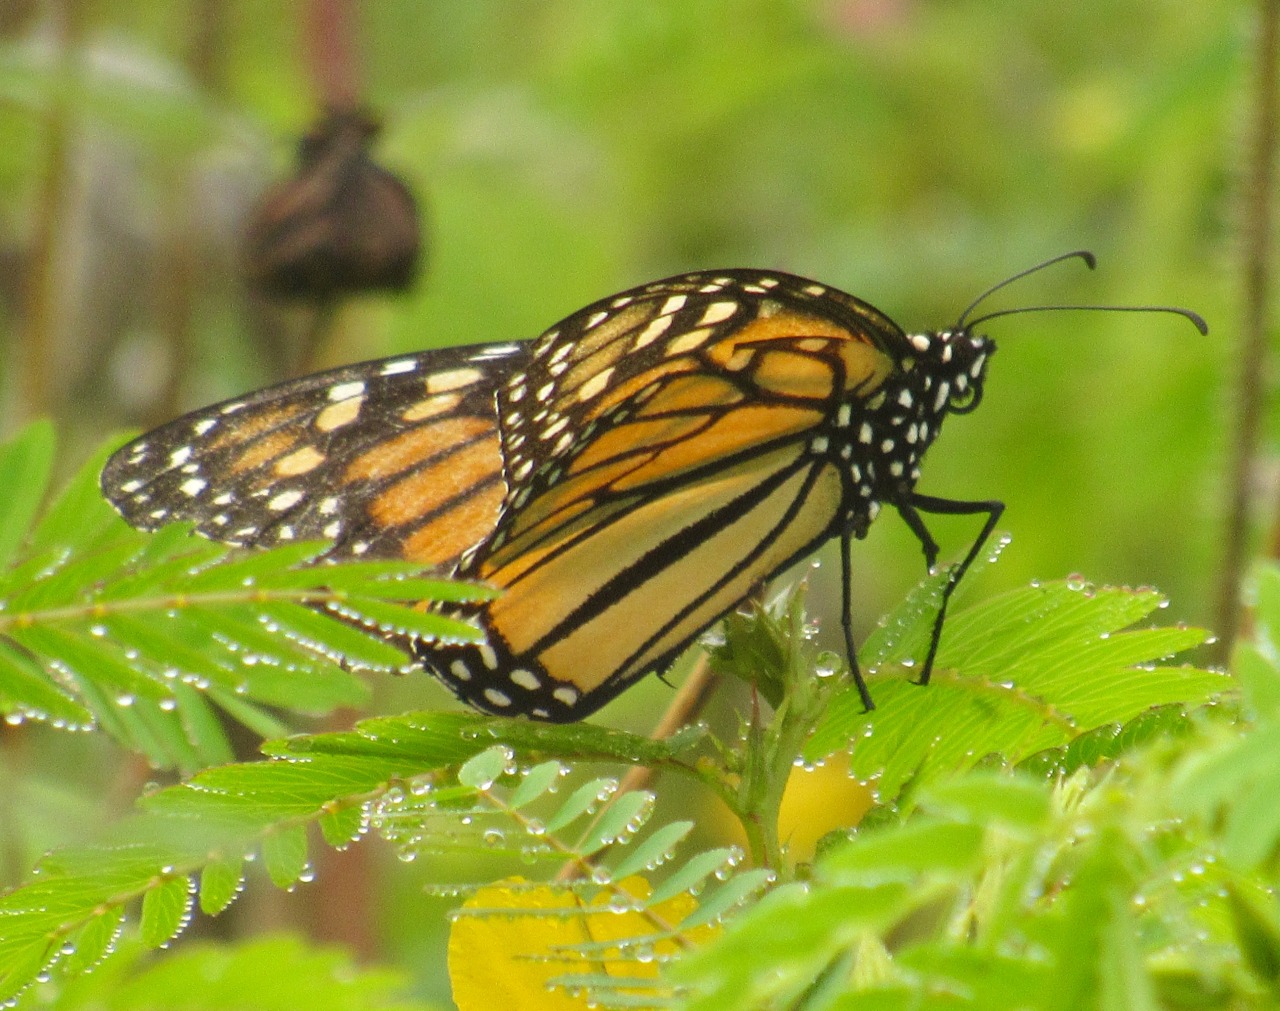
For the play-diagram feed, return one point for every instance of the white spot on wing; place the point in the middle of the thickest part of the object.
(442, 382)
(717, 312)
(345, 391)
(595, 385)
(285, 500)
(338, 414)
(652, 332)
(689, 341)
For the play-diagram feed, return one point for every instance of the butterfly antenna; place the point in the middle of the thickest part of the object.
(1079, 254)
(1196, 319)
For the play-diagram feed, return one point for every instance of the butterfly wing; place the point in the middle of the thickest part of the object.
(668, 454)
(398, 458)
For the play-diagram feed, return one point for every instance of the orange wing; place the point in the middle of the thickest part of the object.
(646, 505)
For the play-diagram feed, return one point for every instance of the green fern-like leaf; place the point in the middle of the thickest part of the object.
(145, 636)
(413, 775)
(1021, 673)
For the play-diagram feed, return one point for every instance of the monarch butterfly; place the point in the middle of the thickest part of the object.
(626, 479)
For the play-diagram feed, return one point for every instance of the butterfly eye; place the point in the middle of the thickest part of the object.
(966, 400)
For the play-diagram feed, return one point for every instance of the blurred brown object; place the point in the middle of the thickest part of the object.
(340, 225)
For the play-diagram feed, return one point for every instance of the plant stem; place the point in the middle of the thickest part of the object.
(42, 288)
(331, 51)
(1251, 357)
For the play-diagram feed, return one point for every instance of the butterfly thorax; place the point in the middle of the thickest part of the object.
(882, 438)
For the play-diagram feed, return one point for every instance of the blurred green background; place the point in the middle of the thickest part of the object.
(909, 152)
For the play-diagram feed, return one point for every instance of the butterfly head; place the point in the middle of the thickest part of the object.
(952, 367)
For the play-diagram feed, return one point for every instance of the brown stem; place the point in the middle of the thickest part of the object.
(330, 47)
(1251, 373)
(41, 295)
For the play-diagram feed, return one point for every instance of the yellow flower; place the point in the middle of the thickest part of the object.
(508, 942)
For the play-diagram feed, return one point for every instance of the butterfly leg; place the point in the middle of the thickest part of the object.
(910, 510)
(846, 616)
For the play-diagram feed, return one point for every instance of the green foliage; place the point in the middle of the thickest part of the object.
(426, 782)
(1023, 672)
(1148, 883)
(147, 637)
(942, 898)
(274, 973)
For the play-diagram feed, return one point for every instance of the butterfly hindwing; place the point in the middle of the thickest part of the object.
(398, 458)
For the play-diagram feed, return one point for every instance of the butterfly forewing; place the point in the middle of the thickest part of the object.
(398, 458)
(666, 458)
